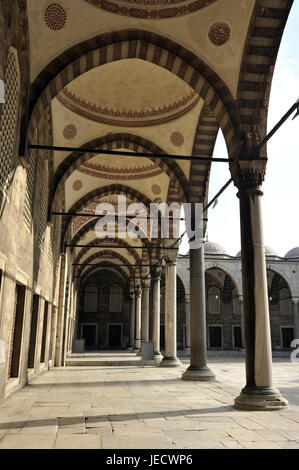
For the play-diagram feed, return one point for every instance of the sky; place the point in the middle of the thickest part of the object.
(281, 185)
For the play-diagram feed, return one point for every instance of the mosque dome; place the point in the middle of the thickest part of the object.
(214, 249)
(268, 252)
(294, 253)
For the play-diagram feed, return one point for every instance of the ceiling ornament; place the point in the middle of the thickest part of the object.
(101, 171)
(177, 139)
(151, 9)
(121, 118)
(55, 16)
(70, 132)
(156, 189)
(77, 185)
(219, 33)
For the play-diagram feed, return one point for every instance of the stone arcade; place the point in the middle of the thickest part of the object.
(138, 78)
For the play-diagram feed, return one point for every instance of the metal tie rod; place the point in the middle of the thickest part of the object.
(164, 156)
(74, 245)
(84, 214)
(114, 264)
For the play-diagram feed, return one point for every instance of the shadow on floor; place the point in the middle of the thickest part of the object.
(72, 420)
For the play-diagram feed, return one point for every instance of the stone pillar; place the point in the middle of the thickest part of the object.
(145, 309)
(187, 313)
(132, 320)
(156, 314)
(170, 359)
(242, 320)
(198, 369)
(61, 313)
(138, 293)
(259, 393)
(296, 318)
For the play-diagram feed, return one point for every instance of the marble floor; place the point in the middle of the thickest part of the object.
(134, 407)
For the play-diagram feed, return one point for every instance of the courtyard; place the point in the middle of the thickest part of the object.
(135, 407)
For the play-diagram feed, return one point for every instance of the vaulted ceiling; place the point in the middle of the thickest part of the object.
(145, 76)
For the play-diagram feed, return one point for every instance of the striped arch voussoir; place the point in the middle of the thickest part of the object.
(143, 45)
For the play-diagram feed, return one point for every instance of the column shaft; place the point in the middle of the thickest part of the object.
(198, 369)
(132, 320)
(170, 359)
(145, 313)
(187, 320)
(156, 315)
(259, 392)
(138, 320)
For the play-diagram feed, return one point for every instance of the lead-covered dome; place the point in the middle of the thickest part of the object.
(269, 252)
(214, 249)
(293, 254)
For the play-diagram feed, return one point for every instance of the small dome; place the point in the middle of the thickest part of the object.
(268, 252)
(214, 249)
(294, 253)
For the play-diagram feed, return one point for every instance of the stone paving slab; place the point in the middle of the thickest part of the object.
(147, 408)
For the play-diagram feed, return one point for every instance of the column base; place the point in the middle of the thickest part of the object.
(260, 399)
(170, 362)
(201, 373)
(158, 358)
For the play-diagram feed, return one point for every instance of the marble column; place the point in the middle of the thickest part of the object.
(259, 392)
(138, 294)
(198, 369)
(156, 314)
(170, 359)
(145, 309)
(187, 320)
(296, 318)
(242, 320)
(132, 320)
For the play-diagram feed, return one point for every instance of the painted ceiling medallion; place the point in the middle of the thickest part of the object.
(70, 132)
(219, 33)
(177, 139)
(146, 9)
(156, 189)
(55, 16)
(128, 118)
(77, 185)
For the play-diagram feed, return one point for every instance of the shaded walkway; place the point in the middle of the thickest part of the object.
(146, 407)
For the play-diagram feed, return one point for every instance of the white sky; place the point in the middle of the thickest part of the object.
(281, 186)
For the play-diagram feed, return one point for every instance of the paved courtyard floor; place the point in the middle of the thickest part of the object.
(147, 408)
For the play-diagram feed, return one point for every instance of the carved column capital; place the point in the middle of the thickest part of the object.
(249, 175)
(138, 291)
(146, 283)
(157, 273)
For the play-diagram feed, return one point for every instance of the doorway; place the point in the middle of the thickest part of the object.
(89, 334)
(114, 336)
(33, 331)
(17, 332)
(215, 337)
(237, 337)
(287, 336)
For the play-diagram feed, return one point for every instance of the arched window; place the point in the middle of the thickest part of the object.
(116, 297)
(214, 300)
(285, 301)
(236, 303)
(9, 119)
(91, 298)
